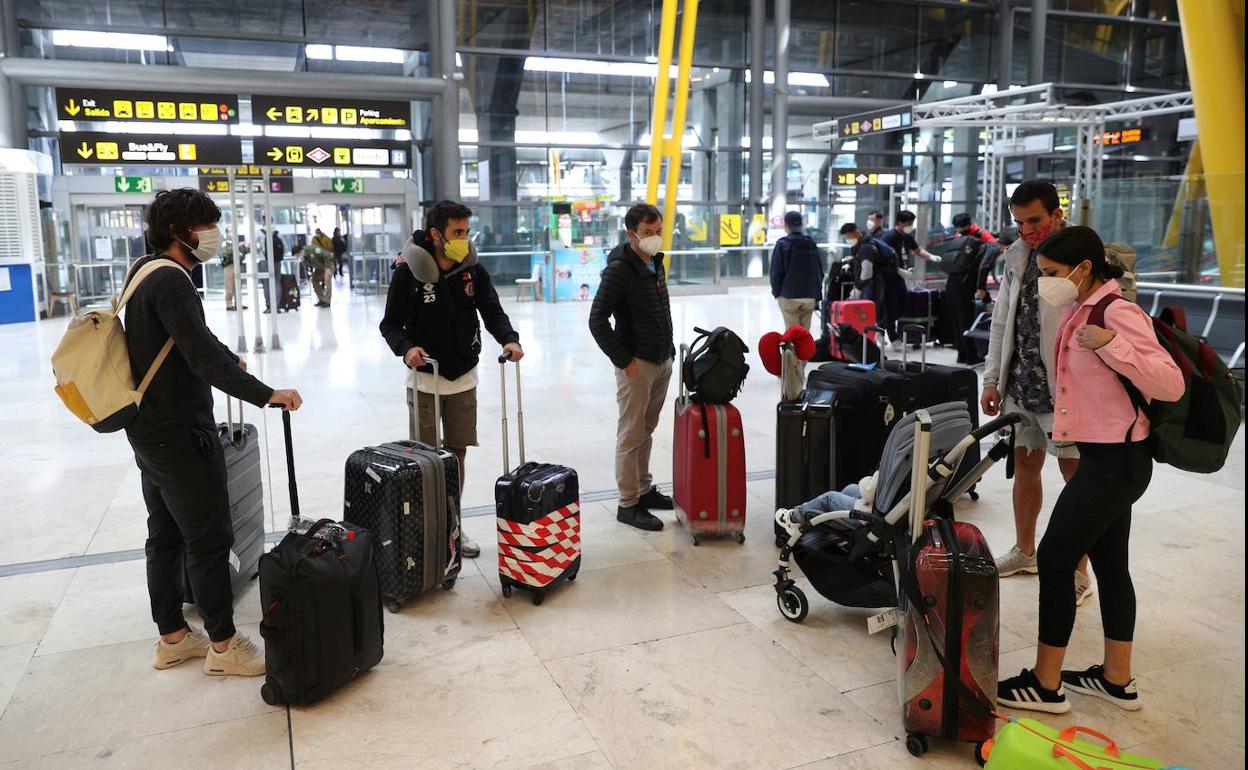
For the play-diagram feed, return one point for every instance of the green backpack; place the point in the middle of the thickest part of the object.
(1195, 432)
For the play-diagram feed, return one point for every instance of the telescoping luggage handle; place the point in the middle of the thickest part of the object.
(413, 414)
(918, 472)
(290, 462)
(502, 382)
(866, 340)
(905, 337)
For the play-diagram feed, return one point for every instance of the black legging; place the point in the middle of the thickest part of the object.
(1093, 516)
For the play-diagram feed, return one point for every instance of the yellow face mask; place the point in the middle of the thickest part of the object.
(457, 250)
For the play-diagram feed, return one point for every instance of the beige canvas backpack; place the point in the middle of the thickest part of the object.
(92, 362)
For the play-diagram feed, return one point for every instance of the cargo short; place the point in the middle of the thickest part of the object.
(459, 418)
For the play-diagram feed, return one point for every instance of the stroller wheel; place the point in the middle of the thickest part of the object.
(792, 603)
(974, 495)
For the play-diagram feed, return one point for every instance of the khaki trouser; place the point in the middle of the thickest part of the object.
(323, 283)
(229, 285)
(797, 311)
(641, 403)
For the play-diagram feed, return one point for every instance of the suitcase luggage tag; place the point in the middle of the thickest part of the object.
(883, 621)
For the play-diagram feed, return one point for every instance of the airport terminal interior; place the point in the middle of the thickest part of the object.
(326, 132)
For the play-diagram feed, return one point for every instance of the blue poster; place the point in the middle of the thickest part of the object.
(578, 273)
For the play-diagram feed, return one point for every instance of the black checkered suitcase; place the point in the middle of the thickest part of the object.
(407, 495)
(538, 508)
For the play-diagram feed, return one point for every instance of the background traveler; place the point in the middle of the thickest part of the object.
(796, 273)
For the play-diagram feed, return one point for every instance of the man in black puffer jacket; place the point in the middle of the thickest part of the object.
(634, 292)
(436, 293)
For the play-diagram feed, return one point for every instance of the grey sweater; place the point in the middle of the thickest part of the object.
(167, 305)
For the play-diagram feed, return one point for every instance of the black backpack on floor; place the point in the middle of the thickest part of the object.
(715, 368)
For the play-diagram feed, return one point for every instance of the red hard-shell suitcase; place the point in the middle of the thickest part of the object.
(859, 314)
(948, 640)
(708, 458)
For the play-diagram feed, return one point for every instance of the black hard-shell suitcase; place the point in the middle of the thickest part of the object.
(939, 384)
(407, 494)
(322, 623)
(806, 450)
(870, 400)
(538, 508)
(241, 444)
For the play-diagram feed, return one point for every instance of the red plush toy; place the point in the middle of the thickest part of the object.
(769, 346)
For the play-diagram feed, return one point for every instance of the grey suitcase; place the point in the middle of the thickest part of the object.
(407, 495)
(241, 444)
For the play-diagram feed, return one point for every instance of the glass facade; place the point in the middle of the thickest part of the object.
(556, 96)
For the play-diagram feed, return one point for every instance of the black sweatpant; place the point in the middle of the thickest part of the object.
(1093, 516)
(188, 523)
(895, 295)
(960, 302)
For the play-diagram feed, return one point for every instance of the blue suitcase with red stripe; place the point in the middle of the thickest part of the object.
(538, 508)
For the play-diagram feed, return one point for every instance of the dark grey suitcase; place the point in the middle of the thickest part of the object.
(407, 494)
(241, 444)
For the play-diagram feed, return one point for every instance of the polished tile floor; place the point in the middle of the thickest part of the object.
(661, 655)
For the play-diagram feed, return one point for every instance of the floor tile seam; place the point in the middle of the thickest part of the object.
(579, 717)
(682, 634)
(844, 754)
(86, 559)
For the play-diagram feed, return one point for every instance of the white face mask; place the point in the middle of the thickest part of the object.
(1058, 290)
(650, 245)
(209, 241)
(908, 229)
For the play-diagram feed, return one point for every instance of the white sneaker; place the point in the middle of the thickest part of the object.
(1083, 588)
(193, 645)
(898, 345)
(1015, 561)
(241, 658)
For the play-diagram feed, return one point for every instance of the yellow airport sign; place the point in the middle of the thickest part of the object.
(730, 230)
(93, 148)
(698, 231)
(367, 113)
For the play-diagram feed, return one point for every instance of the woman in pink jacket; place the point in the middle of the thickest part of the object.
(1093, 513)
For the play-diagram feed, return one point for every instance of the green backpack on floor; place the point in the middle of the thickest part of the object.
(1195, 432)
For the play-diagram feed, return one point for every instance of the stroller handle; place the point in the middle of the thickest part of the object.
(992, 426)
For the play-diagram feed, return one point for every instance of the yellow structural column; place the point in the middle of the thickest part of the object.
(673, 144)
(662, 85)
(1213, 41)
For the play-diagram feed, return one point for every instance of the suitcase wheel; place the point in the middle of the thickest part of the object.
(916, 744)
(573, 576)
(394, 605)
(506, 591)
(448, 584)
(539, 597)
(793, 604)
(981, 753)
(974, 495)
(697, 540)
(271, 694)
(740, 536)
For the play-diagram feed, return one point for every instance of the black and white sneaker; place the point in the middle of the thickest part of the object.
(1025, 692)
(1093, 682)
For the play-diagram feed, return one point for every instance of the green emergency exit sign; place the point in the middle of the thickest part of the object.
(132, 184)
(346, 184)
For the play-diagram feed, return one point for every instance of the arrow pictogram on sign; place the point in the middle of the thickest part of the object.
(275, 153)
(72, 108)
(273, 113)
(84, 151)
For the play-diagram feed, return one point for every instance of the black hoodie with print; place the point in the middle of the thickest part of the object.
(437, 310)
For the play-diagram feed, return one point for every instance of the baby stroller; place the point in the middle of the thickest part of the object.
(850, 557)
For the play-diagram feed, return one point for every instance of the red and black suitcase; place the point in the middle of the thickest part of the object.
(538, 515)
(708, 459)
(857, 314)
(948, 635)
(407, 495)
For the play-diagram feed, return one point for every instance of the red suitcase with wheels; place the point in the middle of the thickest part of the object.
(857, 313)
(708, 458)
(947, 646)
